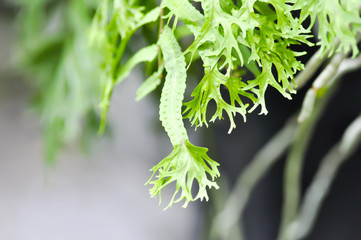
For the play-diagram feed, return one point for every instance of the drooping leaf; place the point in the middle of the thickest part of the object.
(187, 163)
(336, 18)
(54, 52)
(146, 54)
(114, 24)
(149, 17)
(150, 84)
(210, 89)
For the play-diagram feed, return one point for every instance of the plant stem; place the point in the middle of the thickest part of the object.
(337, 66)
(294, 163)
(295, 158)
(312, 66)
(323, 179)
(220, 198)
(319, 187)
(160, 31)
(119, 54)
(227, 219)
(320, 83)
(116, 63)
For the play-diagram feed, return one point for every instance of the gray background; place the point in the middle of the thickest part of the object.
(99, 196)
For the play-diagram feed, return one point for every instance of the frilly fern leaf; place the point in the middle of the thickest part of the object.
(210, 89)
(336, 18)
(187, 162)
(114, 24)
(238, 36)
(228, 37)
(151, 83)
(52, 50)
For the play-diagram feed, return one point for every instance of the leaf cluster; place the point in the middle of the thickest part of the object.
(51, 50)
(227, 37)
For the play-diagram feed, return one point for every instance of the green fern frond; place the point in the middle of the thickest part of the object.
(187, 163)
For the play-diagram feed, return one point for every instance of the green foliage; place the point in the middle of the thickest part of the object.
(184, 165)
(114, 24)
(224, 38)
(187, 162)
(52, 50)
(150, 84)
(209, 89)
(337, 18)
(227, 37)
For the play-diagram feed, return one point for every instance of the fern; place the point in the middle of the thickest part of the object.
(187, 162)
(228, 38)
(54, 53)
(150, 84)
(339, 19)
(114, 24)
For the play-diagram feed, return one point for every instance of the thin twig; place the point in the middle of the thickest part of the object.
(160, 31)
(324, 177)
(295, 160)
(321, 82)
(329, 72)
(310, 69)
(228, 218)
(294, 163)
(220, 198)
(312, 66)
(337, 65)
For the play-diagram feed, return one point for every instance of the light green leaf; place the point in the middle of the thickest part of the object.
(210, 89)
(183, 166)
(114, 24)
(146, 54)
(253, 35)
(187, 163)
(250, 65)
(150, 84)
(174, 88)
(336, 18)
(149, 17)
(185, 12)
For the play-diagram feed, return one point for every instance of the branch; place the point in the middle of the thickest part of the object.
(319, 188)
(323, 179)
(337, 67)
(320, 83)
(295, 159)
(251, 175)
(310, 69)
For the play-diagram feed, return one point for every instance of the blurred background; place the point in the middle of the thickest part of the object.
(101, 194)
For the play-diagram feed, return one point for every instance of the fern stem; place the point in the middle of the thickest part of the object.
(160, 31)
(119, 54)
(319, 187)
(323, 179)
(295, 158)
(336, 67)
(320, 83)
(227, 219)
(312, 66)
(219, 200)
(293, 169)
